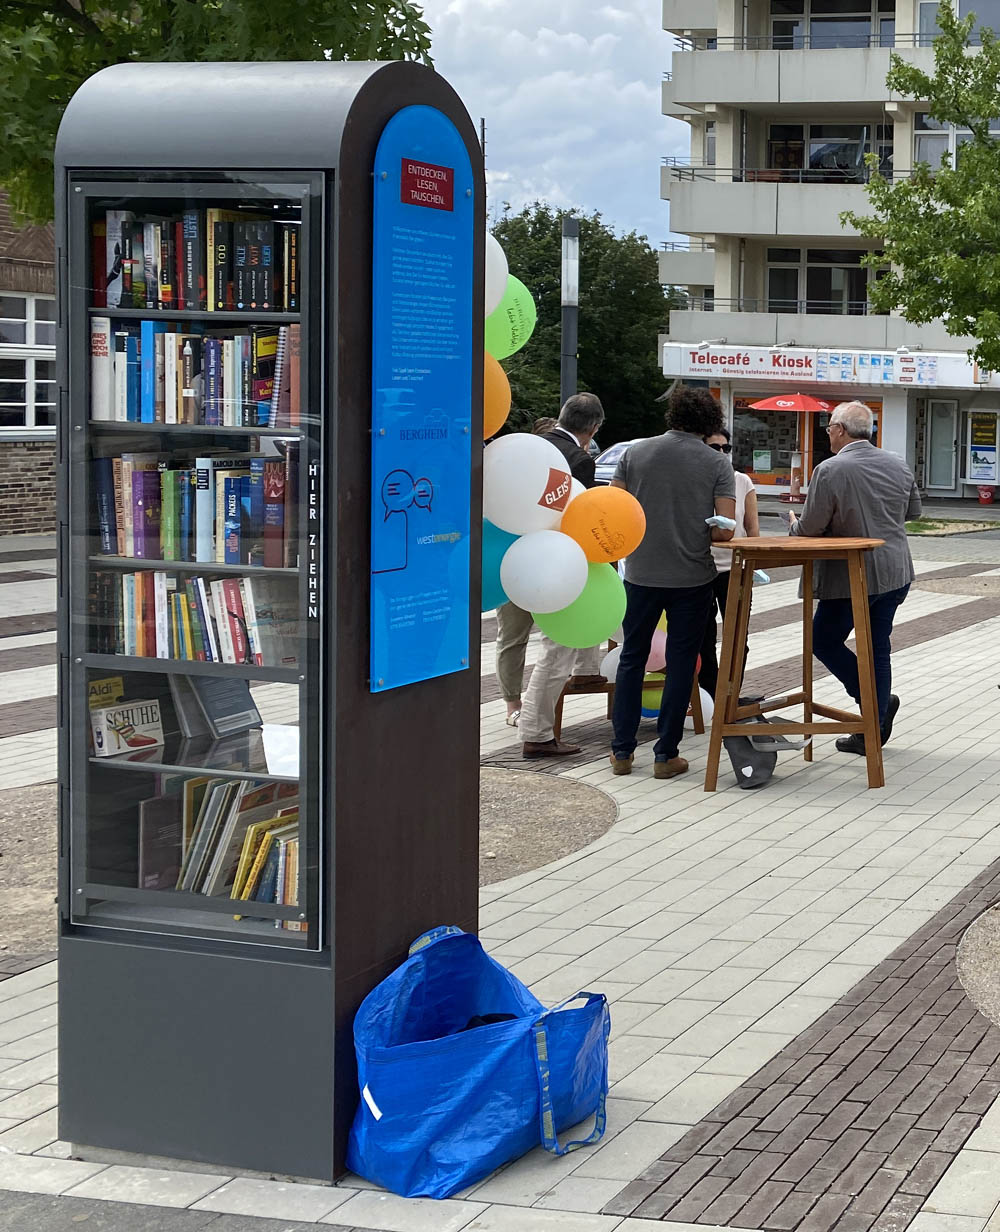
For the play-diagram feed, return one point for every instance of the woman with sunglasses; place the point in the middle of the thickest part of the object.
(747, 524)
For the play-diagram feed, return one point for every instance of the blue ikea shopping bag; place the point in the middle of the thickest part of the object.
(444, 1101)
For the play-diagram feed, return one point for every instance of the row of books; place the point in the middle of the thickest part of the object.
(208, 260)
(157, 615)
(152, 372)
(223, 838)
(233, 509)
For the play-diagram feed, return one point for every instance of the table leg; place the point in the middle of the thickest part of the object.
(866, 669)
(697, 716)
(726, 691)
(807, 650)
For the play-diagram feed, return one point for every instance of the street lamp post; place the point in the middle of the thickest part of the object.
(570, 300)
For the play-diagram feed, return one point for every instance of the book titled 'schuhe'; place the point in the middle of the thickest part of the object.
(126, 726)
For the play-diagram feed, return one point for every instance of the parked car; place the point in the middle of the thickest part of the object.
(607, 463)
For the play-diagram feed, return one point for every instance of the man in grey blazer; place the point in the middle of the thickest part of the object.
(868, 493)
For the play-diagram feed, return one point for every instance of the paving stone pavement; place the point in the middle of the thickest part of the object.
(721, 927)
(855, 1122)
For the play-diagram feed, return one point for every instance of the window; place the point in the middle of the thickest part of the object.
(828, 280)
(27, 364)
(709, 143)
(932, 138)
(827, 153)
(833, 23)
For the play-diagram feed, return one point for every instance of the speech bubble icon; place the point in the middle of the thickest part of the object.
(423, 494)
(397, 492)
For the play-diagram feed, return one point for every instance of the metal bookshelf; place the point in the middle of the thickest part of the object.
(171, 1010)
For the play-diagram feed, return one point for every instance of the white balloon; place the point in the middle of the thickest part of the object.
(544, 571)
(707, 710)
(575, 488)
(526, 484)
(496, 273)
(609, 664)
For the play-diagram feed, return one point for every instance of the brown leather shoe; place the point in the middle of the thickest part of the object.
(622, 765)
(669, 769)
(585, 682)
(547, 748)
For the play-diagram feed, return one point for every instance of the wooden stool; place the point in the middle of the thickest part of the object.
(775, 553)
(609, 688)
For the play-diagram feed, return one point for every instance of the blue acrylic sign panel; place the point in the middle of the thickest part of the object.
(422, 314)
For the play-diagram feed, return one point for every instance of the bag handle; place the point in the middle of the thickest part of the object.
(546, 1113)
(434, 934)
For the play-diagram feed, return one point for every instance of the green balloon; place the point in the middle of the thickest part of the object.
(509, 326)
(591, 618)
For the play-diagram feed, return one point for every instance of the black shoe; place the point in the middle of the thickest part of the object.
(854, 743)
(890, 714)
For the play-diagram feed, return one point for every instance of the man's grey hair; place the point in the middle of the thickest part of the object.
(581, 413)
(856, 418)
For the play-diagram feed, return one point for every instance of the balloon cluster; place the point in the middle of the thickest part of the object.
(510, 321)
(548, 542)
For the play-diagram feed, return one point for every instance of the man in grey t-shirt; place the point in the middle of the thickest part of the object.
(680, 483)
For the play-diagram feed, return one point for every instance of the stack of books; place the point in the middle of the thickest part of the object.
(157, 615)
(238, 839)
(233, 509)
(207, 260)
(152, 372)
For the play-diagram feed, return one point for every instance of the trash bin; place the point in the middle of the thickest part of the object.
(986, 494)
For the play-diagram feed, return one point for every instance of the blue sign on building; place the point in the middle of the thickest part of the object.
(422, 313)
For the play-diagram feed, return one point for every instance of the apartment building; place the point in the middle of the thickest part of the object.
(784, 99)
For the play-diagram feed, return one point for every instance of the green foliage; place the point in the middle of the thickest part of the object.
(622, 309)
(941, 229)
(48, 48)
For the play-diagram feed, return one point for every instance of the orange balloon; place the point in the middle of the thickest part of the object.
(496, 397)
(608, 523)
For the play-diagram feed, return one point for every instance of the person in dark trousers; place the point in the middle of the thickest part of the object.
(580, 418)
(861, 492)
(680, 483)
(747, 526)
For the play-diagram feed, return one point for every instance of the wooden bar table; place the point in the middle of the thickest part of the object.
(728, 720)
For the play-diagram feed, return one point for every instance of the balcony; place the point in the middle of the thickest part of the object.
(822, 330)
(690, 16)
(743, 72)
(689, 264)
(766, 201)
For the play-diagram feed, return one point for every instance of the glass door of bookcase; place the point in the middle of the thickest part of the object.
(193, 706)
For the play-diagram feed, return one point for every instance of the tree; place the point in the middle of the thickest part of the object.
(50, 47)
(940, 228)
(622, 309)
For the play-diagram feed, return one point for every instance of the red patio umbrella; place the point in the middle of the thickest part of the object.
(792, 402)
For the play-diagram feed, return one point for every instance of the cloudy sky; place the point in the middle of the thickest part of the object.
(570, 90)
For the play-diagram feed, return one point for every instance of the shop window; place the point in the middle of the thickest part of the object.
(763, 442)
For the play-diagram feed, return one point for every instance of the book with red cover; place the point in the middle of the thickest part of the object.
(274, 514)
(236, 618)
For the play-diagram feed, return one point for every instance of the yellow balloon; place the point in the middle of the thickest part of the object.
(496, 396)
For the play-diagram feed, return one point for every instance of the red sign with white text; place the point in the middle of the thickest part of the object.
(427, 184)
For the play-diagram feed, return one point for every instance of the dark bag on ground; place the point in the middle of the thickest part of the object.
(755, 756)
(443, 1106)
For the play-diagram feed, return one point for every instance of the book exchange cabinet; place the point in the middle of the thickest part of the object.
(269, 734)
